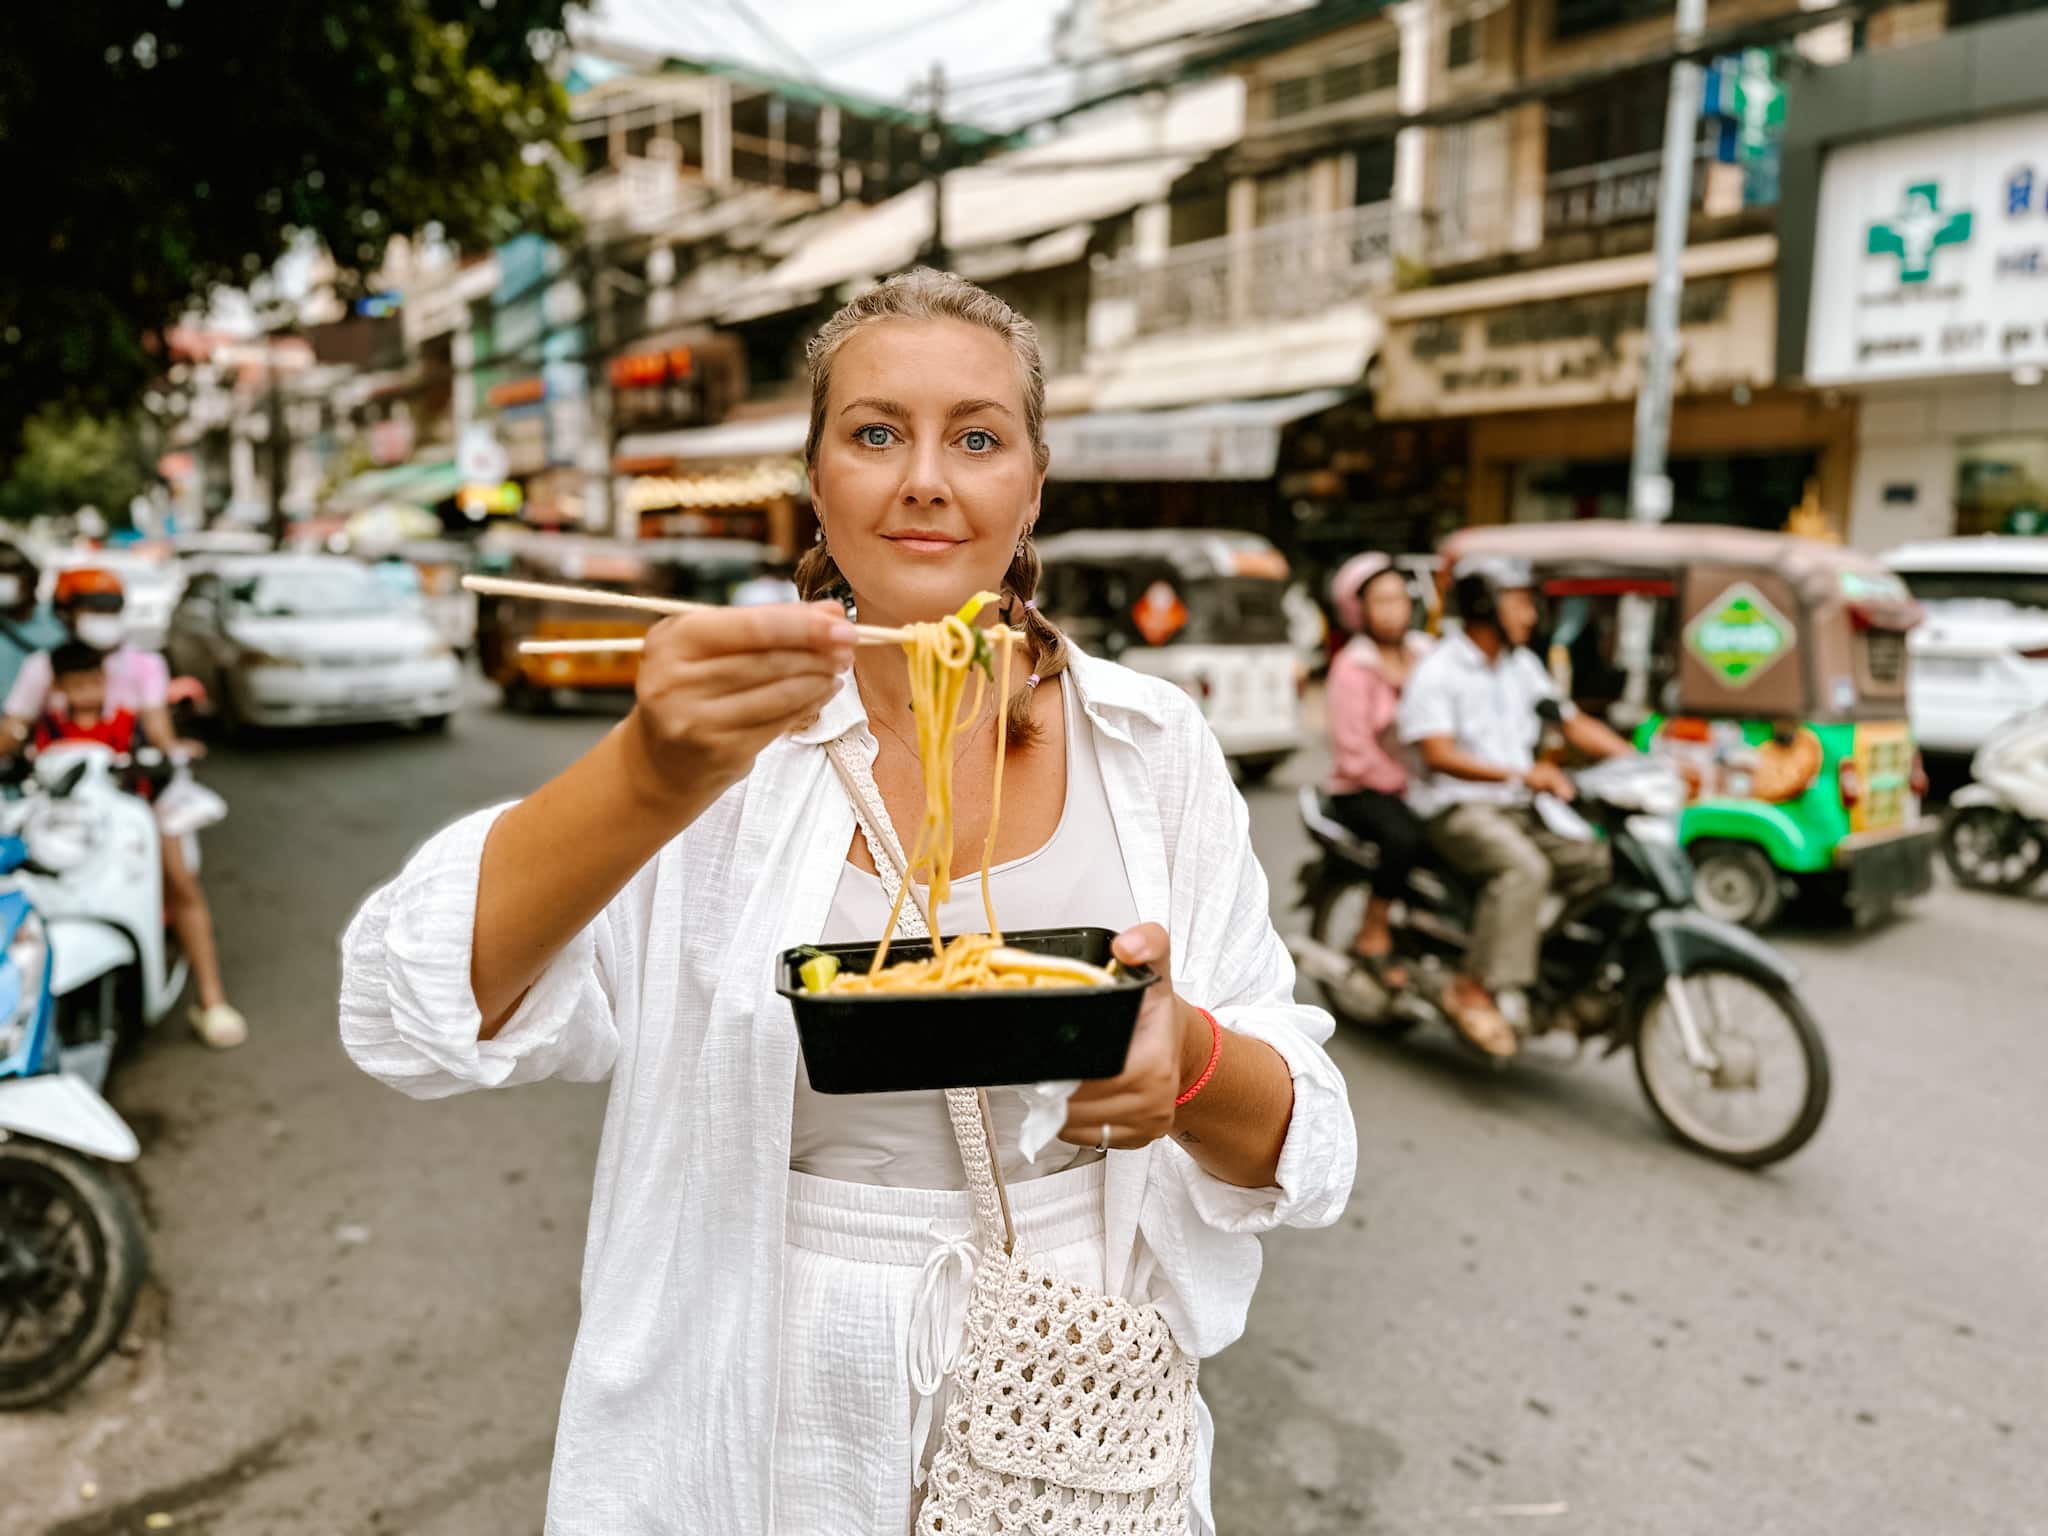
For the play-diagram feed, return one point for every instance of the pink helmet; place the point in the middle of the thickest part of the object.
(1347, 588)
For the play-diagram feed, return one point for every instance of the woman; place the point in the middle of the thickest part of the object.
(26, 626)
(90, 603)
(1370, 767)
(768, 1269)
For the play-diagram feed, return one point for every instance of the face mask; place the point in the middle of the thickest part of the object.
(10, 591)
(101, 631)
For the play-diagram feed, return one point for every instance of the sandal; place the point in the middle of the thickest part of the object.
(1478, 1022)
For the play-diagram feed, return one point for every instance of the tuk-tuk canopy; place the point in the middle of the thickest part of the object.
(1762, 624)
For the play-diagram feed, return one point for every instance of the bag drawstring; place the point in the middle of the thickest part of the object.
(938, 1327)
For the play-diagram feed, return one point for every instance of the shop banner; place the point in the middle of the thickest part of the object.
(1931, 255)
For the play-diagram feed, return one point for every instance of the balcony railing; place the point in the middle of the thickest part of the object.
(1277, 273)
(1614, 191)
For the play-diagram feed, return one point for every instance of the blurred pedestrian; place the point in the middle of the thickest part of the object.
(778, 1282)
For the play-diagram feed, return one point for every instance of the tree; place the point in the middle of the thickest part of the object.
(66, 462)
(153, 150)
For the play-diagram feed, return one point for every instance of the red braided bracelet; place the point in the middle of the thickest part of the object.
(1215, 1055)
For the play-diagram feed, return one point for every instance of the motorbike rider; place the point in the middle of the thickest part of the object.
(89, 600)
(26, 625)
(1370, 768)
(1471, 711)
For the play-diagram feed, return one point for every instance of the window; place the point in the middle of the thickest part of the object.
(1962, 13)
(1375, 179)
(1624, 118)
(1383, 70)
(1463, 46)
(1577, 18)
(1293, 97)
(1283, 197)
(1343, 81)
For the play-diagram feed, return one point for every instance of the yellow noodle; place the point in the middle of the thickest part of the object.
(941, 659)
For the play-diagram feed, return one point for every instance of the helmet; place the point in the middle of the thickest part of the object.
(88, 586)
(1347, 588)
(1479, 580)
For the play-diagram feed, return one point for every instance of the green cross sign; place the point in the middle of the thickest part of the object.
(1919, 230)
(1739, 636)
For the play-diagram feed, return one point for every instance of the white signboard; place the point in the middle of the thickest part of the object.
(1931, 255)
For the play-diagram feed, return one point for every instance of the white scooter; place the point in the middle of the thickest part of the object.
(94, 871)
(1994, 836)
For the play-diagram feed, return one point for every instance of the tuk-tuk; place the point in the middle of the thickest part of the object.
(1776, 687)
(1203, 608)
(694, 570)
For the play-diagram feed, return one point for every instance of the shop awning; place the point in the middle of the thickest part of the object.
(1326, 350)
(1230, 440)
(729, 442)
(419, 485)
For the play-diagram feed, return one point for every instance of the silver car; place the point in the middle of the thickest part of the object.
(292, 640)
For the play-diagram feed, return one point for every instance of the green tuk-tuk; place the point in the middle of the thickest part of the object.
(1770, 670)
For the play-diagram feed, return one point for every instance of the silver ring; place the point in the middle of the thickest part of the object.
(1103, 1145)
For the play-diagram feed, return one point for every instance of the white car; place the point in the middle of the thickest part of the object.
(1981, 656)
(290, 640)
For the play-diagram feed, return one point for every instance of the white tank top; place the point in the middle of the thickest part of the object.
(1076, 880)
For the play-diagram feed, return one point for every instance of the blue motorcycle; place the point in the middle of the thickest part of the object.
(72, 1255)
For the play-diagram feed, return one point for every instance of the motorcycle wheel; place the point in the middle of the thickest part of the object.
(1768, 1096)
(1334, 917)
(1989, 848)
(71, 1265)
(1736, 883)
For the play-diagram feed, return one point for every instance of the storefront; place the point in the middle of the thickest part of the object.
(742, 479)
(1916, 278)
(1543, 369)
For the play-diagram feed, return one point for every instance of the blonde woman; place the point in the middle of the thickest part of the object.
(774, 1279)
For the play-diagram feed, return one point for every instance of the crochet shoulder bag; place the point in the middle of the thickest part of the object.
(1072, 1411)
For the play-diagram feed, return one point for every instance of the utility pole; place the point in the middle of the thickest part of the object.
(936, 157)
(1649, 480)
(1649, 486)
(280, 449)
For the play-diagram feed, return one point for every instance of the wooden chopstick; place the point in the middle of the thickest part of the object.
(598, 597)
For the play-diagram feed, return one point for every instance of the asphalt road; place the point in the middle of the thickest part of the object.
(1538, 1314)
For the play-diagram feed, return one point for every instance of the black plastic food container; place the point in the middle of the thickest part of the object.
(889, 1042)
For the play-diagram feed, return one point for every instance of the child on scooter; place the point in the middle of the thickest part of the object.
(76, 709)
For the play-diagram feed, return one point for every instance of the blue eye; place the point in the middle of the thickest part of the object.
(978, 441)
(876, 436)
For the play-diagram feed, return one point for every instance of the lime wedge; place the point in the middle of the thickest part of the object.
(817, 972)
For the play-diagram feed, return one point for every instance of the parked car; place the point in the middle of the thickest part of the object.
(1204, 609)
(290, 640)
(1982, 655)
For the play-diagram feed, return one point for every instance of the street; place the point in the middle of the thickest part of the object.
(1537, 1314)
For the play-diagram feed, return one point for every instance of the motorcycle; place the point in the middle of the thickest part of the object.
(72, 1256)
(92, 867)
(1726, 1053)
(1994, 835)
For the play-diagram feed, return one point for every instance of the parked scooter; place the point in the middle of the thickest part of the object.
(1725, 1051)
(1994, 836)
(93, 867)
(72, 1255)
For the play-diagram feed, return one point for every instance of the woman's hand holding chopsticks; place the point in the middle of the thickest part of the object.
(715, 687)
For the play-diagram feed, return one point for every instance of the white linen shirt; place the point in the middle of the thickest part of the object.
(1488, 708)
(670, 1405)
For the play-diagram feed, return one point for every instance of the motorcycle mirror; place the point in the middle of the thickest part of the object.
(73, 777)
(1549, 712)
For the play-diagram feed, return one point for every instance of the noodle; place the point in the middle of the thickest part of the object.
(941, 657)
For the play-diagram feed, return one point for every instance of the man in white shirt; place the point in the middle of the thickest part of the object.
(1471, 710)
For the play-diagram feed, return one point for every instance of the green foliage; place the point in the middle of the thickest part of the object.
(66, 462)
(155, 149)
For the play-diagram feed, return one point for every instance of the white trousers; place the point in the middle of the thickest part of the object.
(875, 1284)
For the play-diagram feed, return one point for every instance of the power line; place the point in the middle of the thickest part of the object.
(967, 84)
(774, 39)
(937, 18)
